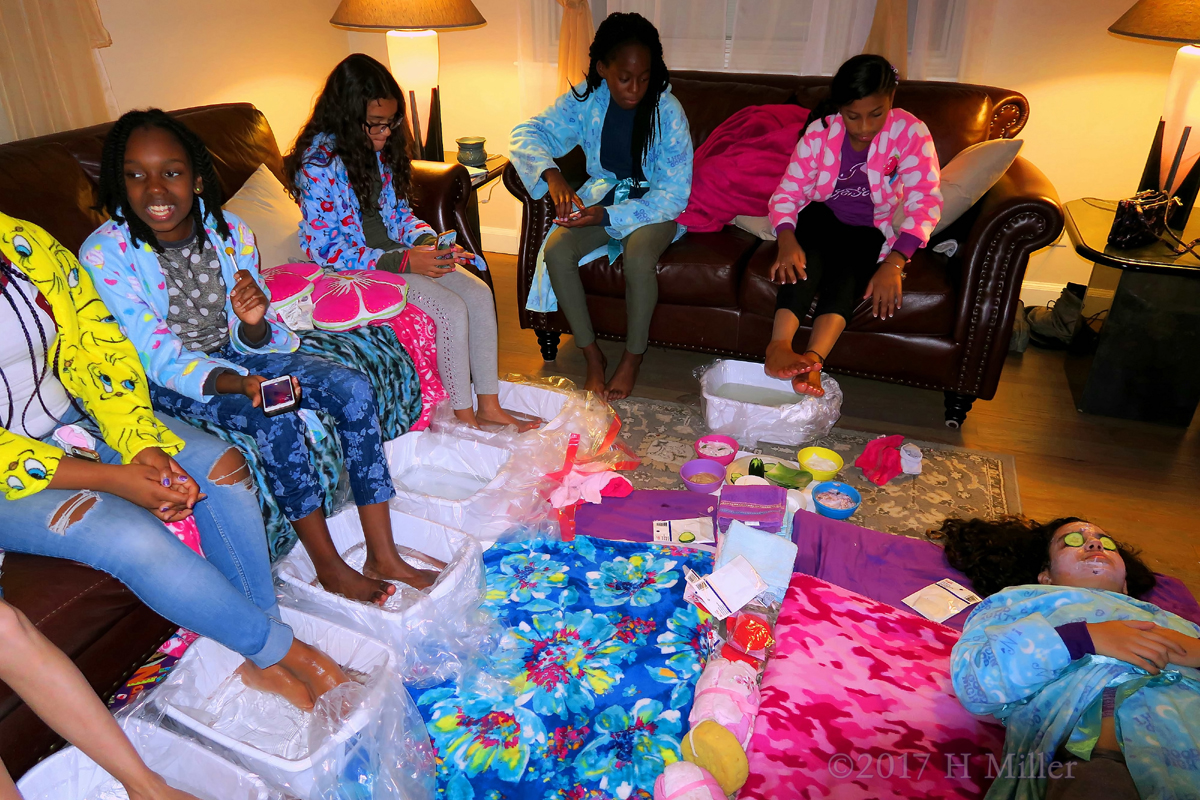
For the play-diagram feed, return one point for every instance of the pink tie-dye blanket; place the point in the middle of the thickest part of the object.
(857, 703)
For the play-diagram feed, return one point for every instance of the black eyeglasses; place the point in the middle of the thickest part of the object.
(383, 127)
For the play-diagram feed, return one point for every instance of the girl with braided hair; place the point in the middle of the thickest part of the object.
(639, 163)
(1099, 691)
(100, 492)
(351, 174)
(181, 278)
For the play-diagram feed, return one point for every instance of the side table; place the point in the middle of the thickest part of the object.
(1145, 362)
(493, 168)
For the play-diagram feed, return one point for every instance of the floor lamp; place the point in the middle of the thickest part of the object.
(412, 41)
(1175, 154)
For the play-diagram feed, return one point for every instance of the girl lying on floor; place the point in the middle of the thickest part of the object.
(639, 163)
(351, 174)
(64, 361)
(181, 278)
(1099, 692)
(857, 161)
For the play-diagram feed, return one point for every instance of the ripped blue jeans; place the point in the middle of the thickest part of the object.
(343, 393)
(227, 595)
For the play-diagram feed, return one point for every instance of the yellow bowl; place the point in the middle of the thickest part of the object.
(821, 452)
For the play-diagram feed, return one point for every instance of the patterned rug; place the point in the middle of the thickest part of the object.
(954, 481)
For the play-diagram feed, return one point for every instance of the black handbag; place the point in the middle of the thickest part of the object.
(1140, 220)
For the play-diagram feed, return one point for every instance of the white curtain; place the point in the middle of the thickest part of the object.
(51, 77)
(947, 38)
(574, 40)
(695, 33)
(798, 37)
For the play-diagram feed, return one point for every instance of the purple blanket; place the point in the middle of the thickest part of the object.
(889, 568)
(880, 566)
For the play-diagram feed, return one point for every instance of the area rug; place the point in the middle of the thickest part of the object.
(954, 482)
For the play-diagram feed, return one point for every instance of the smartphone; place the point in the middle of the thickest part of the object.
(278, 396)
(446, 239)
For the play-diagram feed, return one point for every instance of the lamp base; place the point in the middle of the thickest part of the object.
(434, 150)
(1178, 218)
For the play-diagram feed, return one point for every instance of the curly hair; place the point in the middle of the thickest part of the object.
(112, 196)
(858, 77)
(1013, 551)
(341, 111)
(616, 31)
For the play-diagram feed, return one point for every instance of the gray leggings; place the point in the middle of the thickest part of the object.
(643, 247)
(462, 308)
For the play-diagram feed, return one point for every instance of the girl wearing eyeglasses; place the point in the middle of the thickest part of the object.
(351, 174)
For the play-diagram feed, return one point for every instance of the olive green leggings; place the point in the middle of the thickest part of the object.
(643, 247)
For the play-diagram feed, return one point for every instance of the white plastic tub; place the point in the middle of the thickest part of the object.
(741, 401)
(420, 627)
(183, 763)
(443, 471)
(253, 724)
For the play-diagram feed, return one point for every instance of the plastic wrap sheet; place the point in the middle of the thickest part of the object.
(749, 422)
(182, 762)
(580, 429)
(363, 740)
(435, 634)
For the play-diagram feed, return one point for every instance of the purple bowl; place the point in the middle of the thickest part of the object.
(706, 465)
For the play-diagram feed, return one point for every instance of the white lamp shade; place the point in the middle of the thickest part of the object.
(1182, 109)
(413, 57)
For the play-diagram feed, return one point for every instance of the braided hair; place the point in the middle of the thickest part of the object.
(859, 77)
(113, 197)
(615, 32)
(1013, 551)
(9, 274)
(341, 111)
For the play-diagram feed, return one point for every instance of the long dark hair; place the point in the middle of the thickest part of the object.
(616, 31)
(1013, 551)
(341, 111)
(113, 198)
(859, 77)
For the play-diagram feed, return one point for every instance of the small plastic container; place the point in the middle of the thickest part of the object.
(820, 452)
(706, 466)
(717, 438)
(836, 513)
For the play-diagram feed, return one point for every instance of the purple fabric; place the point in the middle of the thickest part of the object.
(906, 245)
(889, 568)
(1078, 640)
(759, 507)
(631, 519)
(851, 200)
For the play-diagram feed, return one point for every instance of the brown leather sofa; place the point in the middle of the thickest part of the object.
(953, 330)
(51, 181)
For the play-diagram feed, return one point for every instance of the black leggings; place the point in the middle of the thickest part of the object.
(840, 260)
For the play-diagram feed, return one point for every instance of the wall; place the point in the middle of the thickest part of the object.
(1095, 100)
(272, 53)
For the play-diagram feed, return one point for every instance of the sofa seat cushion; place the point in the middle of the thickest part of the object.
(928, 306)
(701, 269)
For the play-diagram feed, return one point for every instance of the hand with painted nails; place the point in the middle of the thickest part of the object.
(885, 289)
(171, 474)
(790, 265)
(146, 486)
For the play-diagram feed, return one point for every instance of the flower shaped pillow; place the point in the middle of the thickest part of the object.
(343, 301)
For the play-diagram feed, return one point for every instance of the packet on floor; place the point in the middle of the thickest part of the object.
(727, 590)
(942, 600)
(696, 532)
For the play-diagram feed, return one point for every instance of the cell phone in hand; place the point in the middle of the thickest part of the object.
(445, 241)
(278, 396)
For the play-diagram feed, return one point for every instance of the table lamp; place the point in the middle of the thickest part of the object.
(1174, 155)
(412, 43)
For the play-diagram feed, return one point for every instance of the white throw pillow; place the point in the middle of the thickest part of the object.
(968, 177)
(759, 226)
(263, 204)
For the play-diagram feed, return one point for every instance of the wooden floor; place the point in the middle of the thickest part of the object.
(1140, 482)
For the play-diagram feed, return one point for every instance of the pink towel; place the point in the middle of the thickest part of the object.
(739, 166)
(880, 459)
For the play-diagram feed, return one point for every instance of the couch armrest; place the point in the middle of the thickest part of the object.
(537, 217)
(1019, 215)
(440, 195)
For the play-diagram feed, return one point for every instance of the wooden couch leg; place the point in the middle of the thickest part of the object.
(957, 406)
(548, 342)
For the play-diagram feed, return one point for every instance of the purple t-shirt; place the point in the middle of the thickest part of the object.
(851, 200)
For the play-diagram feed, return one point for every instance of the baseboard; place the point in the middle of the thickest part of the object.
(500, 240)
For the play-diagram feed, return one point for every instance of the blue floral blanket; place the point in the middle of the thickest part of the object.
(588, 693)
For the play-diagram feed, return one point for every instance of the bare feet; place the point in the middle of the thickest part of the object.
(597, 365)
(317, 671)
(808, 378)
(624, 378)
(277, 680)
(782, 361)
(342, 580)
(491, 413)
(394, 568)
